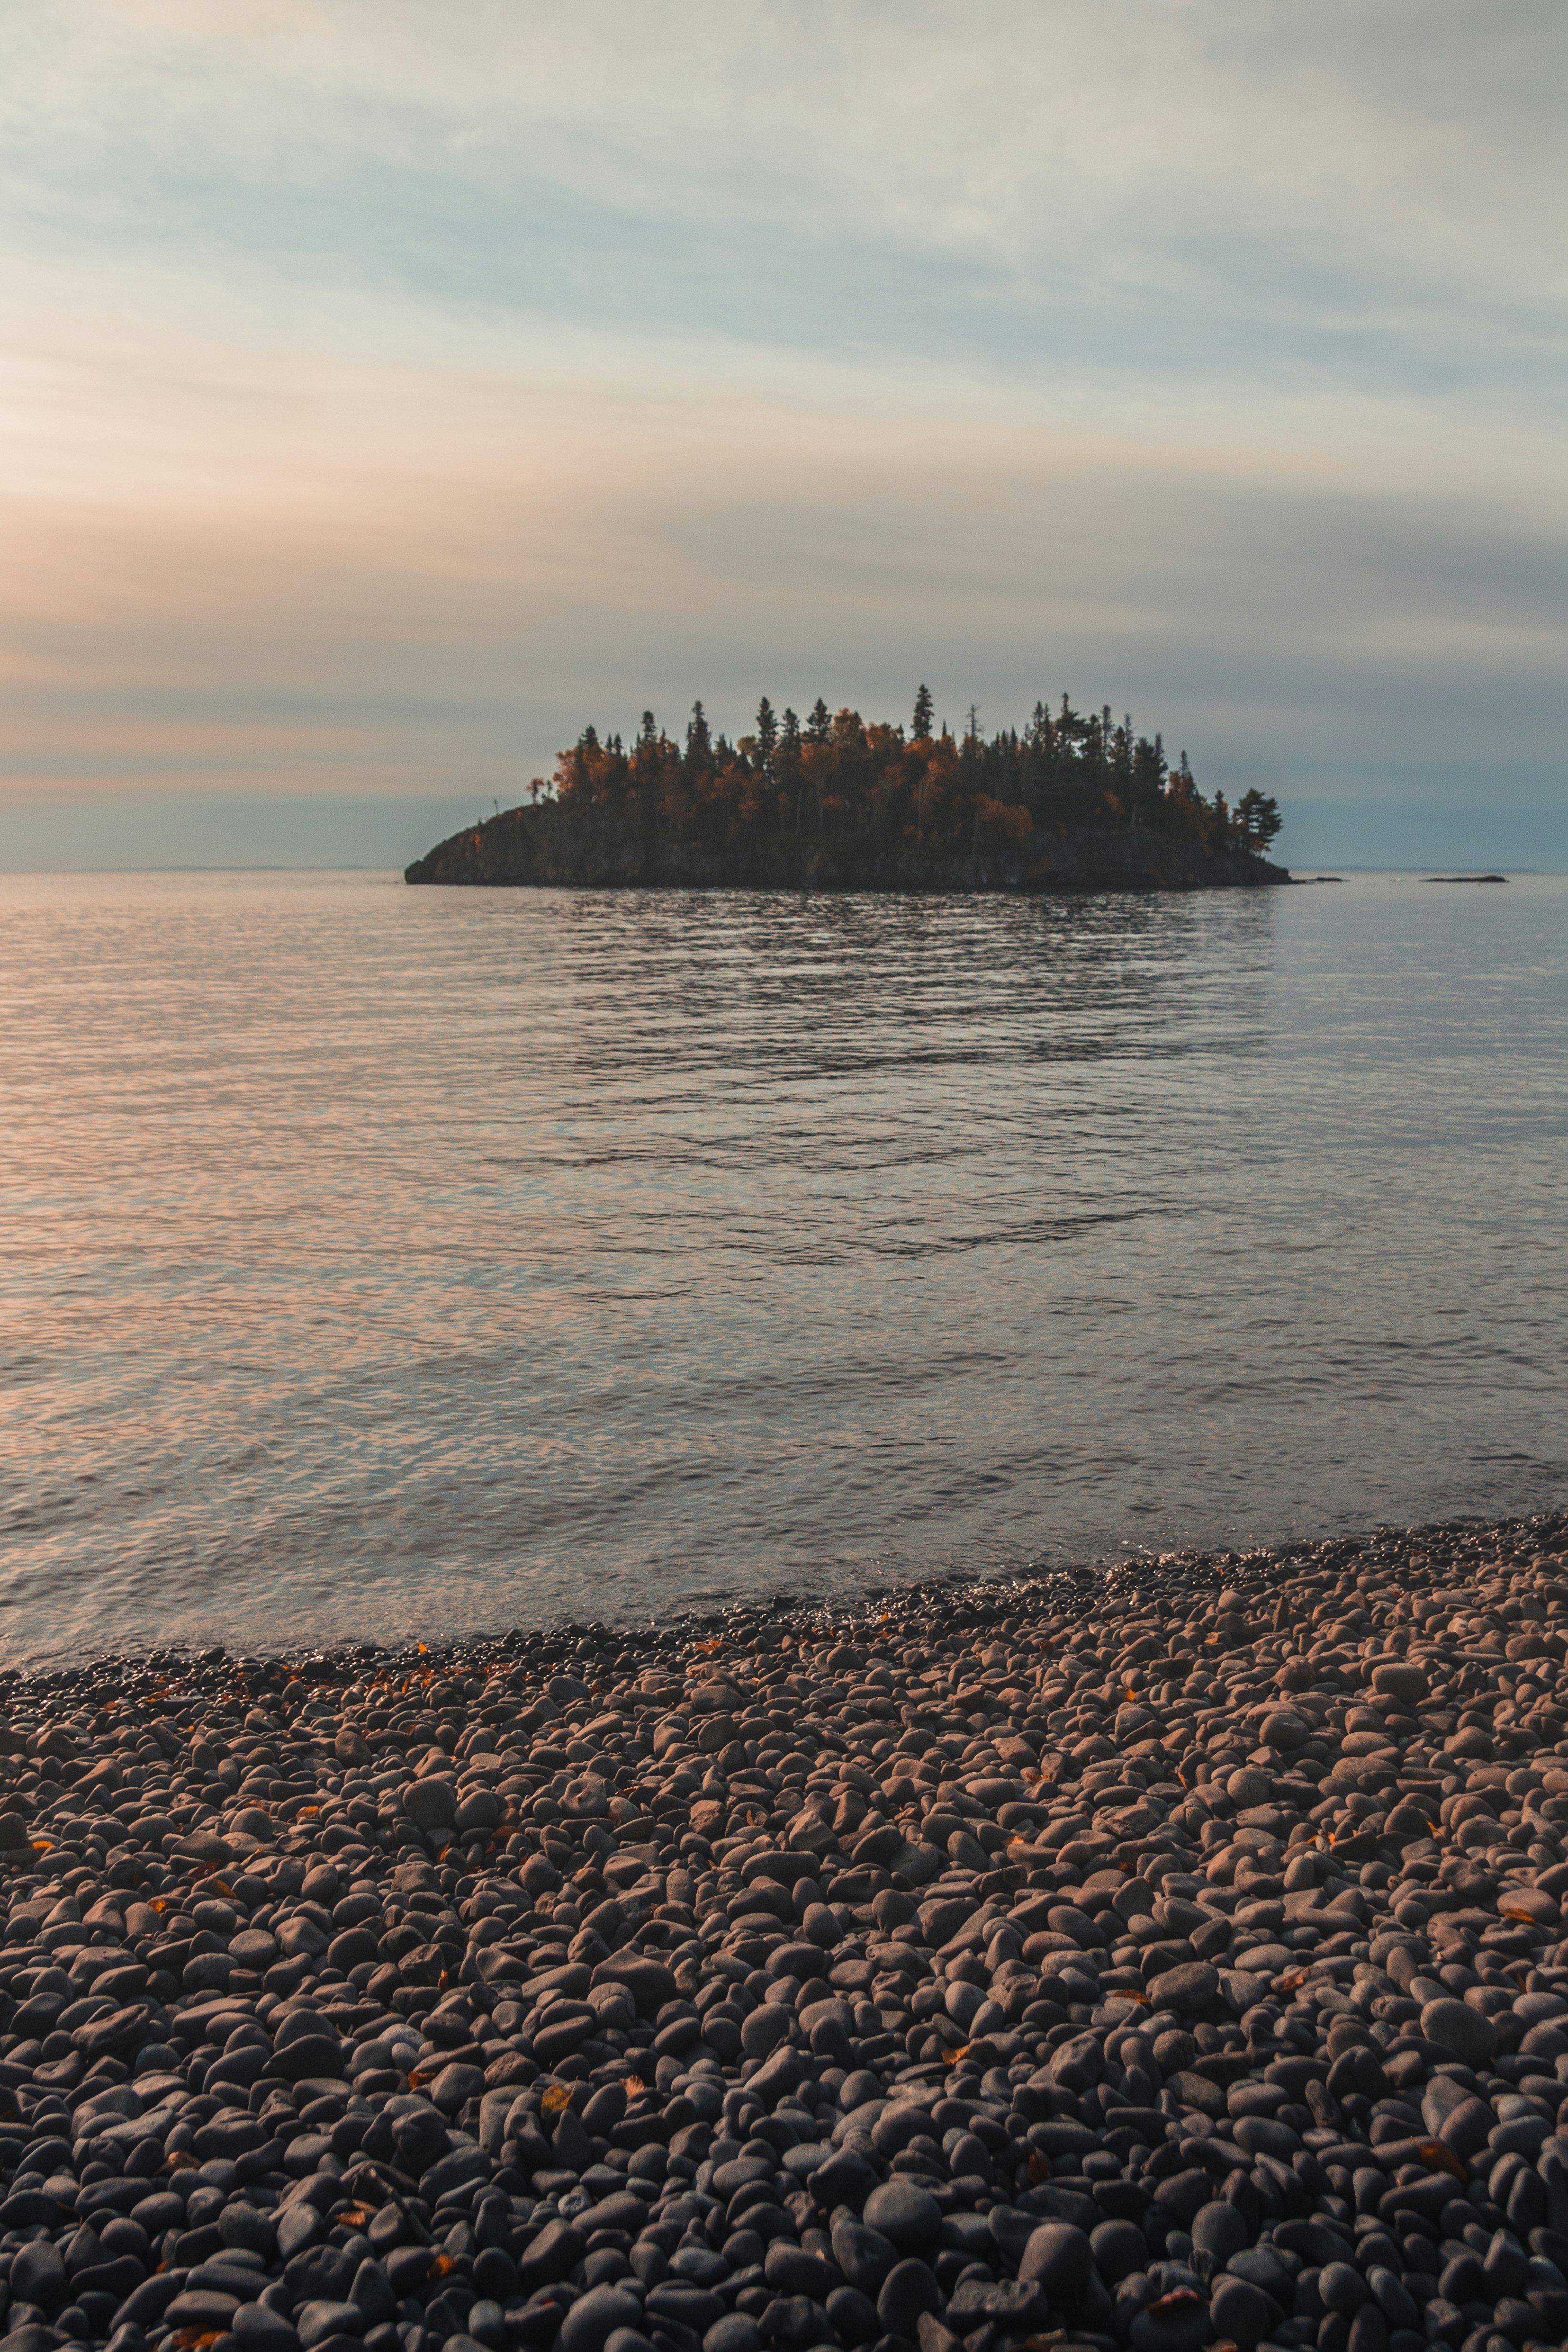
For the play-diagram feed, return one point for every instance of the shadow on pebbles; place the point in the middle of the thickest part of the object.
(1159, 1958)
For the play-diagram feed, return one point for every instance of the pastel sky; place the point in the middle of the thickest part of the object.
(386, 389)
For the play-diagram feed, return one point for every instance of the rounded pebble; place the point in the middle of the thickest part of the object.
(1161, 1956)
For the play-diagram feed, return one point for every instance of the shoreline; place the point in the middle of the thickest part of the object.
(841, 1607)
(1090, 1955)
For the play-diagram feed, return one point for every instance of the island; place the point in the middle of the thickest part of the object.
(1072, 801)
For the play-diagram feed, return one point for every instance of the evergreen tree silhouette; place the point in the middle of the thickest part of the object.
(767, 734)
(923, 793)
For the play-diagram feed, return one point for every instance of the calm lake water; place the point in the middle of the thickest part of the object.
(381, 1261)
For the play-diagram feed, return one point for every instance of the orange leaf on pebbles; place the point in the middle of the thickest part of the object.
(1177, 2304)
(1439, 2158)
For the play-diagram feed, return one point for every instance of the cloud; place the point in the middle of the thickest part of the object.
(1334, 182)
(398, 390)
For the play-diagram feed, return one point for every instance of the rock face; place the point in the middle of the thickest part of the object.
(570, 1989)
(554, 847)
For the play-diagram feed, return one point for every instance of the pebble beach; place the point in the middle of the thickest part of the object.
(1161, 1956)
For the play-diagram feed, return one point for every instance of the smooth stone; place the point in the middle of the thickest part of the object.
(909, 2218)
(260, 2329)
(1119, 2249)
(908, 2290)
(594, 2316)
(1059, 2257)
(1219, 2229)
(863, 2255)
(1241, 2312)
(1454, 2026)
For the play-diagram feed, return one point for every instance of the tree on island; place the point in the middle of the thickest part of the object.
(767, 736)
(1258, 819)
(871, 784)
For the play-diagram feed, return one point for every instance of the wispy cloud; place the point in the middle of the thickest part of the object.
(390, 388)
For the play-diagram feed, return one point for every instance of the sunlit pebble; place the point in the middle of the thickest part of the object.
(1147, 1957)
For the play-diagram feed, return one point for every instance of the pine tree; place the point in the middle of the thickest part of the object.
(787, 761)
(930, 792)
(1258, 815)
(767, 734)
(699, 742)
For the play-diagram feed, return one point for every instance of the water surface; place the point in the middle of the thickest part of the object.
(378, 1260)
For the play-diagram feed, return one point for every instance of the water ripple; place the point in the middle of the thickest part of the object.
(403, 1260)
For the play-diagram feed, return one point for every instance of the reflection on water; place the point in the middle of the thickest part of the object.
(379, 1259)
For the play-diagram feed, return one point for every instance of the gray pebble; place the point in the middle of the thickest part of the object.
(1094, 2011)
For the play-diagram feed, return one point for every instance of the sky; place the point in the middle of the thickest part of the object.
(387, 390)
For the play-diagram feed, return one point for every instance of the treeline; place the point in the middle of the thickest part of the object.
(834, 776)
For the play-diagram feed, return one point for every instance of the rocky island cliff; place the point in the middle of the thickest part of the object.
(555, 846)
(1072, 804)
